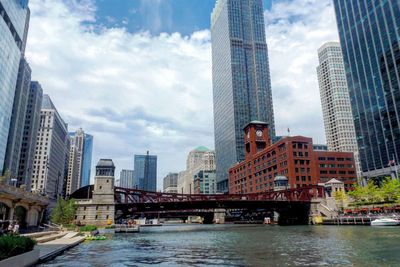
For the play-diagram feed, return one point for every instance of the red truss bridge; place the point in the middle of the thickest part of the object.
(133, 196)
(293, 205)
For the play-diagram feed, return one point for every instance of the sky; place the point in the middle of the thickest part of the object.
(136, 74)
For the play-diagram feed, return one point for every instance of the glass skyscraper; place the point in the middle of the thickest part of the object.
(14, 15)
(145, 172)
(241, 79)
(369, 33)
(87, 160)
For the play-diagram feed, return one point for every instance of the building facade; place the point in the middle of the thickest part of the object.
(241, 78)
(335, 100)
(292, 157)
(14, 21)
(30, 130)
(100, 208)
(370, 41)
(199, 159)
(145, 172)
(16, 129)
(72, 181)
(126, 178)
(80, 160)
(87, 160)
(170, 183)
(51, 151)
(205, 182)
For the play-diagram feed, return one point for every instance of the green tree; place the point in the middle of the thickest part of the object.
(4, 178)
(340, 198)
(64, 211)
(390, 190)
(366, 194)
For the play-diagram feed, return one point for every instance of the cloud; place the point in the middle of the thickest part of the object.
(295, 30)
(136, 91)
(133, 92)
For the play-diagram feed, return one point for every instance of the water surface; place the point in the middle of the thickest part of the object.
(241, 245)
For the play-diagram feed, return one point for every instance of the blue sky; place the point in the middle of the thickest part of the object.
(156, 16)
(136, 74)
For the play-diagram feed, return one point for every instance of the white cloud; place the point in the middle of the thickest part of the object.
(133, 92)
(138, 92)
(295, 30)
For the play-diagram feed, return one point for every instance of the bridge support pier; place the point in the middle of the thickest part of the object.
(219, 216)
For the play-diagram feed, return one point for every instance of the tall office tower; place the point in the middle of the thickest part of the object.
(145, 174)
(30, 130)
(14, 20)
(336, 108)
(15, 134)
(72, 182)
(370, 40)
(51, 149)
(241, 78)
(170, 183)
(80, 158)
(126, 178)
(86, 160)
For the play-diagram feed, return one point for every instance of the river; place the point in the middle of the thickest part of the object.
(241, 245)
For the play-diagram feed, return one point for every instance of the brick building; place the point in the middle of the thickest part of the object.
(293, 157)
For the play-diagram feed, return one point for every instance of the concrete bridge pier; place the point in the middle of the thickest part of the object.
(219, 216)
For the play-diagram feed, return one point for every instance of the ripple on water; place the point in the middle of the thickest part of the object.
(227, 245)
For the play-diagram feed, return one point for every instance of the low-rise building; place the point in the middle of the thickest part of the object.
(292, 157)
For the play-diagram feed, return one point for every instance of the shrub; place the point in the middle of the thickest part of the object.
(88, 228)
(64, 211)
(12, 245)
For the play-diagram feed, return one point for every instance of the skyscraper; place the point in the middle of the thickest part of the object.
(31, 127)
(370, 39)
(241, 78)
(145, 174)
(18, 115)
(14, 21)
(87, 160)
(126, 178)
(51, 150)
(335, 101)
(80, 160)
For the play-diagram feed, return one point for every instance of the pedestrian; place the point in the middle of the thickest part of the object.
(10, 227)
(16, 228)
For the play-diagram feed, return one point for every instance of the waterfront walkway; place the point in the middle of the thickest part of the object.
(51, 249)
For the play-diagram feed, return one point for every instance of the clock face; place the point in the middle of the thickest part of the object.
(259, 133)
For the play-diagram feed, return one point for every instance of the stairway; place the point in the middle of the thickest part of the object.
(42, 237)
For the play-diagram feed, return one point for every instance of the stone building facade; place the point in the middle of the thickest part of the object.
(100, 208)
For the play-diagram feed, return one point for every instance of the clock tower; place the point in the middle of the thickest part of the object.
(256, 138)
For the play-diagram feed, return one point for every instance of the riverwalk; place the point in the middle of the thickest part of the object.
(52, 243)
(51, 249)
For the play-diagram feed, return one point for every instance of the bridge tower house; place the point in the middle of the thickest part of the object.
(100, 209)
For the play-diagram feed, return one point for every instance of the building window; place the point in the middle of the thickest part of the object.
(96, 217)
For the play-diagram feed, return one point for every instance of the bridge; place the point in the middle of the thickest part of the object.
(293, 205)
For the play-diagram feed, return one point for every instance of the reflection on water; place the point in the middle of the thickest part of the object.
(233, 245)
